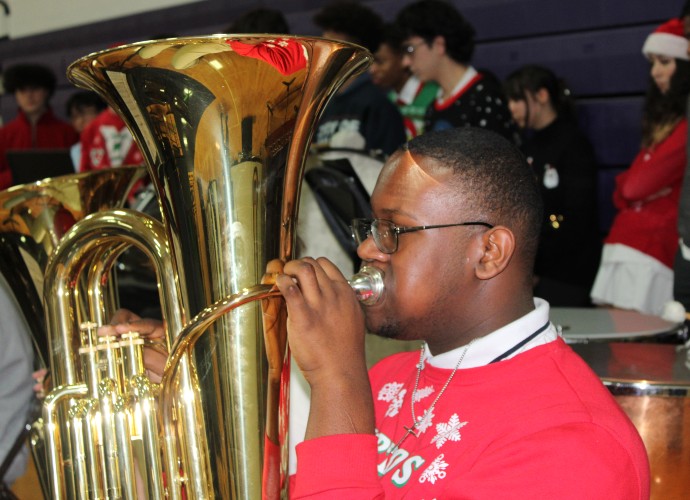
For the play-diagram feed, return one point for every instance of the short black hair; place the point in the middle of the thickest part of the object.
(84, 99)
(493, 175)
(393, 36)
(260, 20)
(353, 19)
(21, 76)
(431, 18)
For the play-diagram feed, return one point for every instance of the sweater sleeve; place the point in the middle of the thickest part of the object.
(335, 467)
(660, 168)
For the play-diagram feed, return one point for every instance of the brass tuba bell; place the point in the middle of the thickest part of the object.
(224, 123)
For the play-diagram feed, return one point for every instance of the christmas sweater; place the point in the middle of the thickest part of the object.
(538, 425)
(647, 195)
(49, 132)
(107, 142)
(476, 102)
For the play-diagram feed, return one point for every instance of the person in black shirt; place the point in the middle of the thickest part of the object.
(438, 46)
(564, 164)
(359, 116)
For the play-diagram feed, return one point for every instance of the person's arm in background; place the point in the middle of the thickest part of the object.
(650, 176)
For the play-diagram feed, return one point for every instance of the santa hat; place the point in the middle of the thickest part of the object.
(668, 40)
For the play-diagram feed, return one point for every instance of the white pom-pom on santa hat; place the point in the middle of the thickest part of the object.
(667, 40)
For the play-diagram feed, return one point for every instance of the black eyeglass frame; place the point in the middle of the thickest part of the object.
(398, 230)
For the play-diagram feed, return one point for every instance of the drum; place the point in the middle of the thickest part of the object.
(651, 382)
(581, 325)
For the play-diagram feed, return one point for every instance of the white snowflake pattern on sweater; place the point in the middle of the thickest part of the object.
(425, 421)
(435, 471)
(392, 393)
(448, 431)
(423, 393)
(388, 392)
(396, 404)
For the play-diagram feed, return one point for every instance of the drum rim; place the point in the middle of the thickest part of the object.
(627, 387)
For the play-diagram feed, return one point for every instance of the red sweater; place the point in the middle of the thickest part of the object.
(646, 197)
(49, 132)
(539, 425)
(107, 142)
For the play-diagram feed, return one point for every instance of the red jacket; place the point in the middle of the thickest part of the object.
(647, 196)
(106, 142)
(49, 132)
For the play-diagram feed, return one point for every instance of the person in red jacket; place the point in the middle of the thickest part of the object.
(35, 125)
(107, 142)
(636, 270)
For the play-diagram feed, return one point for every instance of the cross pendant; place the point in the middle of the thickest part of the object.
(408, 430)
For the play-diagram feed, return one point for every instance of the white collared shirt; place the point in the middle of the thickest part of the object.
(486, 349)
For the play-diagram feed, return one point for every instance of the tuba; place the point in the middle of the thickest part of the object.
(33, 219)
(224, 123)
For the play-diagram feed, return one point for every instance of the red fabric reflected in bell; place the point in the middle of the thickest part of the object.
(286, 55)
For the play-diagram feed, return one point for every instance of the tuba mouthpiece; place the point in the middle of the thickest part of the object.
(368, 285)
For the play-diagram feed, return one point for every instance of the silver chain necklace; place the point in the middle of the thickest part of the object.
(417, 421)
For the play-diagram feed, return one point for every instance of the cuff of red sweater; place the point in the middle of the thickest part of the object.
(339, 462)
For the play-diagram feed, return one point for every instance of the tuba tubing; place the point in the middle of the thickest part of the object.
(33, 219)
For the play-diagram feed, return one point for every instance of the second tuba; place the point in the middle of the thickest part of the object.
(224, 123)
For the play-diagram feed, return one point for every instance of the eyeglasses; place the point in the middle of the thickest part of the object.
(410, 48)
(385, 232)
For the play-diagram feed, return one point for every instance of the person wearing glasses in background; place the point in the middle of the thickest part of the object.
(438, 45)
(412, 96)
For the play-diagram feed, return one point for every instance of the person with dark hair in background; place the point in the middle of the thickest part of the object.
(412, 96)
(35, 126)
(82, 108)
(565, 166)
(495, 403)
(260, 20)
(439, 44)
(359, 116)
(636, 270)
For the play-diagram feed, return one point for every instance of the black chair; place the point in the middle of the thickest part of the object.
(341, 196)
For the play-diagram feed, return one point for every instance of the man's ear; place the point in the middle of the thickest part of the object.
(498, 248)
(439, 43)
